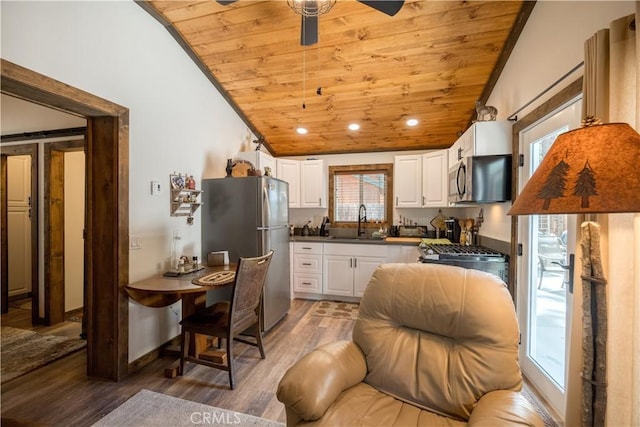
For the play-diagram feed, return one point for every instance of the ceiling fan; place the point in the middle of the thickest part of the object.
(311, 9)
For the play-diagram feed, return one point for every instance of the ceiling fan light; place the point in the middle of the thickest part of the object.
(354, 126)
(301, 130)
(412, 122)
(311, 7)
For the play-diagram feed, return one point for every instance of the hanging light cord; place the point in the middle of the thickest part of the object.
(304, 62)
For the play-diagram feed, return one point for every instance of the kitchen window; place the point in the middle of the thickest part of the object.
(352, 186)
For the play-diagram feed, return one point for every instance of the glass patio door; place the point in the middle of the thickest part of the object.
(543, 294)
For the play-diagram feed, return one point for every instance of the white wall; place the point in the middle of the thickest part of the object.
(178, 121)
(19, 116)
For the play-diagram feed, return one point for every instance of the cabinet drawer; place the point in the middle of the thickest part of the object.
(304, 263)
(310, 283)
(355, 250)
(307, 248)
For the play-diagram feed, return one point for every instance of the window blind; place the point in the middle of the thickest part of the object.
(354, 189)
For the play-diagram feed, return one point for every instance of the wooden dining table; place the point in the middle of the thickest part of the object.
(191, 288)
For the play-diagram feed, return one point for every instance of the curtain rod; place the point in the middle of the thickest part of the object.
(514, 117)
(43, 134)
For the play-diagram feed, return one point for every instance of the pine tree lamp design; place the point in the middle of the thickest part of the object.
(594, 169)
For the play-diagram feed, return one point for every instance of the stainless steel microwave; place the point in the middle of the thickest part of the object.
(481, 179)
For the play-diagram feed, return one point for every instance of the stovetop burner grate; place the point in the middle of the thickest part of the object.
(453, 249)
(459, 252)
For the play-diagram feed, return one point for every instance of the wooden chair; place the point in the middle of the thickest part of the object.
(228, 319)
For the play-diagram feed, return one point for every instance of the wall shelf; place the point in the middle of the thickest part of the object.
(184, 201)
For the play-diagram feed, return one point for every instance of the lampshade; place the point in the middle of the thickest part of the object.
(594, 169)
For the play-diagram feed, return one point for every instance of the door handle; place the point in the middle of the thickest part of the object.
(570, 268)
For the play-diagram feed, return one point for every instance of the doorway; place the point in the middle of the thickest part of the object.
(20, 226)
(107, 222)
(547, 243)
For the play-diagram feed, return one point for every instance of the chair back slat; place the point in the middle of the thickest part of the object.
(251, 275)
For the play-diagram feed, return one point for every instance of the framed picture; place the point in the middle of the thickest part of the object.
(177, 182)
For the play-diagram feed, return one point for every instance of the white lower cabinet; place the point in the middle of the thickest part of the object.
(347, 268)
(307, 267)
(404, 253)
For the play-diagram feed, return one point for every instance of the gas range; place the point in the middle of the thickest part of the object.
(460, 252)
(474, 257)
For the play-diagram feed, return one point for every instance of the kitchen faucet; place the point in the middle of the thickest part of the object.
(361, 217)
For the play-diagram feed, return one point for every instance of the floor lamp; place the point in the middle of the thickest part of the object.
(589, 170)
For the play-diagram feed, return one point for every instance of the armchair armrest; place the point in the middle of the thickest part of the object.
(310, 386)
(504, 408)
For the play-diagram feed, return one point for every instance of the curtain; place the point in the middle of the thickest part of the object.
(612, 93)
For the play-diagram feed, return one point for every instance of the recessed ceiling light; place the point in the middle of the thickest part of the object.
(301, 130)
(412, 122)
(354, 126)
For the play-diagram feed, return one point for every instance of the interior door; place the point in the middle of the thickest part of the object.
(19, 224)
(543, 294)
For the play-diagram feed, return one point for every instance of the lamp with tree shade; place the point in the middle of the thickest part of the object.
(590, 170)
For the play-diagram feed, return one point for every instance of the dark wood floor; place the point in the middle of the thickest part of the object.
(61, 394)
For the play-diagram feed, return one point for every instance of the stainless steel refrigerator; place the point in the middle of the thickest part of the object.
(249, 216)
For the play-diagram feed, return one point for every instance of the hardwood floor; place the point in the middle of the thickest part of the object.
(61, 393)
(19, 316)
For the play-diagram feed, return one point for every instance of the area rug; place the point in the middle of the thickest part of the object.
(148, 408)
(336, 309)
(23, 351)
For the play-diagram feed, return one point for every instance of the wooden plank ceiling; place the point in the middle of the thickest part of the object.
(431, 61)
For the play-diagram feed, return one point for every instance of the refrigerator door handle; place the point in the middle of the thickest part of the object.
(273, 227)
(265, 203)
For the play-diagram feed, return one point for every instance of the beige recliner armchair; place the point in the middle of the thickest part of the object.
(434, 345)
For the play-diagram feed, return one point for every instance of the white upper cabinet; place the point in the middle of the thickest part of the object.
(420, 180)
(313, 184)
(307, 182)
(434, 179)
(407, 181)
(482, 139)
(259, 160)
(289, 171)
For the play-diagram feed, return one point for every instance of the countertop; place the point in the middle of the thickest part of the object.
(409, 241)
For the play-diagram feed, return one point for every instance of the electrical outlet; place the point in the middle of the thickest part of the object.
(155, 188)
(134, 243)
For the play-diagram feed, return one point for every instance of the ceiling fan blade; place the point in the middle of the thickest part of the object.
(309, 30)
(390, 7)
(226, 2)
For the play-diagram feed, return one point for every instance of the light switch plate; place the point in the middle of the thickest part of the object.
(155, 188)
